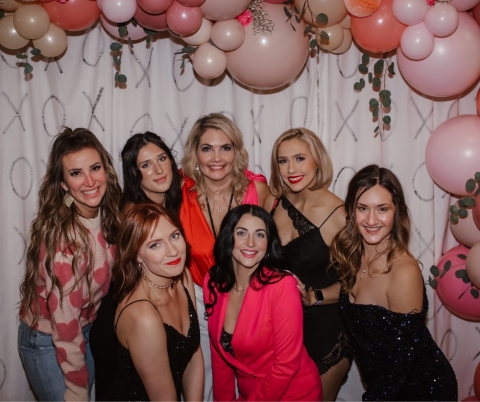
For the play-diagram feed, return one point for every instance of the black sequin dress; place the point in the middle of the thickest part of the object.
(128, 386)
(308, 257)
(396, 354)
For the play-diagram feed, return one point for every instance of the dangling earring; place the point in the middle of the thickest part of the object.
(68, 199)
(139, 266)
(197, 168)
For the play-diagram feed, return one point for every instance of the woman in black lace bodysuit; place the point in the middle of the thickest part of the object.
(308, 216)
(383, 300)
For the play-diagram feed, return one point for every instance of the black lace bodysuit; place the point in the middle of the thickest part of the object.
(128, 386)
(308, 257)
(396, 354)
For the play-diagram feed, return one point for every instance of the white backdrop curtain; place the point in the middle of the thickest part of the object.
(78, 91)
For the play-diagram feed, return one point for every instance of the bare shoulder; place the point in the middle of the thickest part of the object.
(269, 203)
(140, 313)
(263, 192)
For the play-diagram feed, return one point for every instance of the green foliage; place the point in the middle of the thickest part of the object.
(467, 202)
(321, 19)
(35, 52)
(27, 68)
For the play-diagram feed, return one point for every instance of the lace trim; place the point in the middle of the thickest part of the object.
(342, 349)
(301, 224)
(226, 342)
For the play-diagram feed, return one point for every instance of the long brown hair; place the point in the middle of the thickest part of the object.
(139, 221)
(58, 226)
(347, 248)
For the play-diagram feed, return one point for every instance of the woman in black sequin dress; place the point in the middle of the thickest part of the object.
(308, 217)
(383, 300)
(156, 322)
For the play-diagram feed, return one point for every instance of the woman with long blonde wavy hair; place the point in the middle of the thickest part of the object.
(68, 268)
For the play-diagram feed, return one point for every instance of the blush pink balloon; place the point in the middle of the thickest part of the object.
(441, 74)
(476, 211)
(191, 3)
(10, 5)
(465, 231)
(268, 62)
(441, 20)
(228, 35)
(155, 22)
(452, 154)
(209, 62)
(478, 101)
(155, 6)
(184, 20)
(380, 32)
(472, 264)
(464, 5)
(134, 32)
(417, 42)
(274, 1)
(201, 36)
(476, 13)
(410, 12)
(450, 288)
(223, 10)
(119, 11)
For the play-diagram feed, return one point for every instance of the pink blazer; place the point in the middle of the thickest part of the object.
(270, 360)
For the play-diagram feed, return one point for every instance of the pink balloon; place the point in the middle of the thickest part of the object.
(134, 32)
(464, 5)
(450, 288)
(417, 42)
(442, 20)
(155, 6)
(201, 36)
(228, 35)
(472, 264)
(184, 20)
(222, 10)
(191, 3)
(410, 12)
(476, 13)
(441, 74)
(465, 231)
(119, 10)
(452, 154)
(155, 22)
(209, 62)
(267, 62)
(476, 211)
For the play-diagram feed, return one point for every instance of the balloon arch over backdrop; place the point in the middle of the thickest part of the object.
(264, 46)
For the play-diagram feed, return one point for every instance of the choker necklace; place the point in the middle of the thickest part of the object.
(219, 209)
(239, 290)
(150, 283)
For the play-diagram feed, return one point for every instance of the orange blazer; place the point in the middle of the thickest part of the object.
(271, 363)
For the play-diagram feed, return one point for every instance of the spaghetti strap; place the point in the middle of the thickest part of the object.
(124, 307)
(331, 213)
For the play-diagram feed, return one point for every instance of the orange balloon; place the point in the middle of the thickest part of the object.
(379, 33)
(73, 15)
(362, 8)
(476, 381)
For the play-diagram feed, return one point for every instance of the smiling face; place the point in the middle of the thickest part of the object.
(84, 177)
(250, 242)
(375, 215)
(215, 155)
(156, 169)
(163, 254)
(296, 165)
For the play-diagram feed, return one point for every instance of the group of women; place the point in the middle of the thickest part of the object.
(223, 288)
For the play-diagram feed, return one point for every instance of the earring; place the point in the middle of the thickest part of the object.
(68, 199)
(197, 168)
(139, 266)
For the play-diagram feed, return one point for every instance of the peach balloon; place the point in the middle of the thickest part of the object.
(465, 231)
(183, 20)
(228, 35)
(73, 15)
(201, 36)
(472, 264)
(476, 381)
(346, 22)
(9, 37)
(9, 5)
(268, 62)
(191, 3)
(335, 35)
(476, 211)
(155, 22)
(54, 43)
(209, 62)
(362, 8)
(155, 6)
(450, 288)
(223, 10)
(347, 42)
(334, 9)
(31, 21)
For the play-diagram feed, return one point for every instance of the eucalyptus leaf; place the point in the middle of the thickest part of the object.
(313, 44)
(461, 204)
(307, 29)
(357, 86)
(122, 31)
(370, 77)
(447, 265)
(115, 46)
(461, 273)
(321, 19)
(375, 112)
(117, 60)
(373, 103)
(465, 279)
(324, 36)
(376, 82)
(21, 56)
(378, 66)
(36, 51)
(453, 209)
(362, 82)
(454, 219)
(363, 68)
(287, 12)
(391, 68)
(387, 93)
(130, 42)
(2, 14)
(27, 68)
(468, 201)
(462, 256)
(442, 274)
(470, 185)
(474, 292)
(477, 176)
(149, 32)
(134, 22)
(434, 270)
(365, 58)
(148, 39)
(116, 76)
(291, 24)
(387, 119)
(433, 283)
(387, 102)
(122, 78)
(376, 129)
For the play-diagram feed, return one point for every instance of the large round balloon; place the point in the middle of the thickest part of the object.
(267, 62)
(119, 11)
(464, 5)
(335, 10)
(472, 264)
(155, 22)
(362, 8)
(417, 42)
(54, 43)
(441, 74)
(73, 15)
(9, 37)
(450, 287)
(379, 33)
(9, 5)
(191, 3)
(31, 21)
(222, 10)
(465, 230)
(410, 12)
(134, 32)
(452, 154)
(155, 6)
(209, 62)
(184, 20)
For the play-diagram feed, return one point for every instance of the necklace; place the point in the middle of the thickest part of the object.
(219, 209)
(150, 283)
(239, 290)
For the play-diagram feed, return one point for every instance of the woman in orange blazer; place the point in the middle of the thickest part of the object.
(255, 317)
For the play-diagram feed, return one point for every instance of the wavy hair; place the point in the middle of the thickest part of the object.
(324, 175)
(347, 248)
(222, 275)
(132, 176)
(57, 226)
(216, 121)
(138, 223)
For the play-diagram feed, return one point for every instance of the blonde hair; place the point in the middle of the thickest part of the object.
(216, 121)
(324, 174)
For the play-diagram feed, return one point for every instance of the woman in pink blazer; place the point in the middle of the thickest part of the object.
(255, 316)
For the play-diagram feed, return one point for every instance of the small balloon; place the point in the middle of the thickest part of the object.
(476, 211)
(223, 10)
(410, 12)
(201, 36)
(465, 230)
(441, 20)
(347, 42)
(184, 20)
(209, 62)
(417, 42)
(9, 5)
(31, 21)
(9, 37)
(155, 22)
(362, 8)
(228, 35)
(346, 22)
(119, 11)
(191, 3)
(155, 6)
(335, 37)
(73, 15)
(54, 43)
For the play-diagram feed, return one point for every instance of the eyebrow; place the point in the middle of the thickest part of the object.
(91, 166)
(256, 230)
(209, 145)
(293, 156)
(146, 160)
(379, 205)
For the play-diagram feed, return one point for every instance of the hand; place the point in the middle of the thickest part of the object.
(304, 294)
